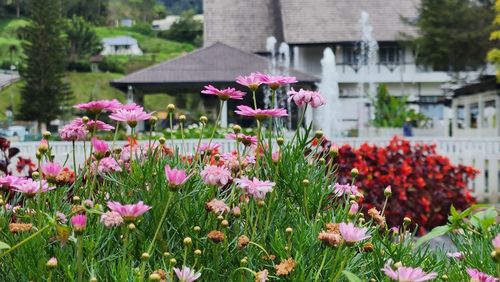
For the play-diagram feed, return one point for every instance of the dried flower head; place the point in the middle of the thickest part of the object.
(285, 267)
(216, 236)
(20, 227)
(243, 241)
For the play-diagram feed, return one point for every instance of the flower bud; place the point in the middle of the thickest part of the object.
(197, 252)
(236, 211)
(217, 157)
(153, 120)
(46, 135)
(406, 220)
(318, 134)
(171, 107)
(220, 217)
(289, 230)
(131, 226)
(93, 279)
(154, 277)
(225, 223)
(196, 229)
(236, 128)
(76, 199)
(305, 182)
(35, 175)
(354, 172)
(398, 264)
(368, 247)
(322, 161)
(244, 261)
(117, 150)
(334, 151)
(188, 241)
(166, 254)
(280, 141)
(52, 263)
(182, 118)
(85, 119)
(261, 203)
(444, 277)
(388, 191)
(173, 261)
(203, 119)
(162, 140)
(145, 256)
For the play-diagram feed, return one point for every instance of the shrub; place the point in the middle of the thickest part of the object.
(424, 183)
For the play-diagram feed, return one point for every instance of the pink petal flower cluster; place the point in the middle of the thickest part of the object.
(99, 106)
(30, 188)
(215, 175)
(247, 140)
(111, 219)
(131, 117)
(345, 189)
(477, 276)
(217, 206)
(224, 94)
(129, 212)
(79, 222)
(92, 125)
(100, 146)
(251, 81)
(303, 97)
(275, 81)
(352, 234)
(496, 243)
(186, 274)
(9, 181)
(175, 177)
(408, 274)
(259, 113)
(51, 170)
(73, 132)
(109, 164)
(255, 187)
(204, 147)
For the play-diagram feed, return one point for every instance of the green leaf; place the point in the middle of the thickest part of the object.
(351, 276)
(436, 232)
(4, 246)
(484, 219)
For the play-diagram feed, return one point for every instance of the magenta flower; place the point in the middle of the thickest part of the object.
(251, 81)
(131, 106)
(129, 212)
(131, 117)
(408, 274)
(97, 107)
(186, 274)
(496, 242)
(255, 187)
(51, 170)
(217, 206)
(72, 132)
(352, 234)
(353, 210)
(204, 147)
(477, 276)
(30, 188)
(303, 97)
(275, 156)
(100, 147)
(79, 223)
(347, 189)
(274, 82)
(93, 125)
(111, 219)
(215, 175)
(455, 255)
(9, 181)
(224, 94)
(175, 177)
(259, 113)
(109, 164)
(247, 140)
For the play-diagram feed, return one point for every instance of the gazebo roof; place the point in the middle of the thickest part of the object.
(215, 64)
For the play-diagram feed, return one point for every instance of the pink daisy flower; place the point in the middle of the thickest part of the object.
(30, 188)
(93, 125)
(259, 113)
(408, 274)
(51, 170)
(111, 219)
(186, 274)
(72, 132)
(477, 276)
(79, 222)
(130, 107)
(352, 234)
(274, 82)
(353, 210)
(131, 117)
(303, 97)
(255, 187)
(215, 175)
(129, 212)
(455, 255)
(175, 177)
(109, 164)
(9, 181)
(224, 94)
(217, 206)
(347, 189)
(100, 147)
(247, 140)
(208, 147)
(251, 81)
(99, 106)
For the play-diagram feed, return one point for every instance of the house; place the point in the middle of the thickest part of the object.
(309, 26)
(121, 45)
(168, 21)
(476, 108)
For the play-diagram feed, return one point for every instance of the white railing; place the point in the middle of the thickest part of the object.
(481, 153)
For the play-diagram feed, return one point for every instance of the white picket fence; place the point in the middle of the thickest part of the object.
(481, 153)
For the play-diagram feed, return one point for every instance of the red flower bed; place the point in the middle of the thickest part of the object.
(424, 184)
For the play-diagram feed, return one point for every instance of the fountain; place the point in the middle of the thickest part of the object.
(327, 116)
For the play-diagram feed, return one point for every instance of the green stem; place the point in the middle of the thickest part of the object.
(131, 142)
(171, 130)
(24, 241)
(74, 158)
(299, 125)
(254, 100)
(216, 123)
(182, 138)
(321, 266)
(79, 258)
(199, 143)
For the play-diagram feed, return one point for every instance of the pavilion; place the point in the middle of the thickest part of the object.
(218, 64)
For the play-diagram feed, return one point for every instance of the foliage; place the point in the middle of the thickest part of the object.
(494, 54)
(138, 10)
(93, 11)
(392, 111)
(179, 6)
(424, 183)
(45, 63)
(186, 29)
(82, 39)
(10, 44)
(453, 34)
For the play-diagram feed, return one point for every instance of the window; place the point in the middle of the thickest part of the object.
(474, 113)
(350, 54)
(390, 54)
(460, 114)
(490, 114)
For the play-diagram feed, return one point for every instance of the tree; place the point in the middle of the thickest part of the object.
(494, 54)
(82, 39)
(453, 34)
(44, 93)
(186, 29)
(179, 6)
(94, 11)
